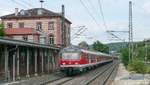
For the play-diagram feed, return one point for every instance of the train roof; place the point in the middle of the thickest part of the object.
(78, 49)
(95, 53)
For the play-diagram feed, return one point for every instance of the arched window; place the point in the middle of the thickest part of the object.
(39, 26)
(51, 39)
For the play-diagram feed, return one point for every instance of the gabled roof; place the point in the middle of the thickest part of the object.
(21, 31)
(33, 13)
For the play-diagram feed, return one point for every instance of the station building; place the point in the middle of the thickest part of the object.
(37, 25)
(32, 43)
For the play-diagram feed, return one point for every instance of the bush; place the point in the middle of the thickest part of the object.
(2, 32)
(125, 56)
(138, 66)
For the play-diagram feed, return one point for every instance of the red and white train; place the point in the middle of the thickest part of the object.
(76, 59)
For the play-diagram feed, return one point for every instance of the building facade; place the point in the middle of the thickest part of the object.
(47, 23)
(26, 34)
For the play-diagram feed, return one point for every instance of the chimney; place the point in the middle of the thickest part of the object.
(16, 11)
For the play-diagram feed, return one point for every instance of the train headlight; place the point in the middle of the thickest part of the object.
(63, 63)
(76, 63)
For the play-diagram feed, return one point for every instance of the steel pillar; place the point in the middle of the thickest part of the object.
(35, 62)
(6, 63)
(14, 66)
(42, 55)
(48, 61)
(18, 65)
(27, 63)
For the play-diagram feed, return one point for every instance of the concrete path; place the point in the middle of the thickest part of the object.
(125, 78)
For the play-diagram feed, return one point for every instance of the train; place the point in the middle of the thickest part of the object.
(75, 59)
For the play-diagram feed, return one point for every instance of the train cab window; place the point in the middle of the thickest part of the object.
(70, 56)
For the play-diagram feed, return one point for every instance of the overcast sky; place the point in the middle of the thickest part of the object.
(115, 13)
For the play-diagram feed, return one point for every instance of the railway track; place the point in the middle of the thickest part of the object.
(105, 77)
(88, 78)
(60, 81)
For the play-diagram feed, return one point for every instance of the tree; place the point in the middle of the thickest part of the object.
(98, 46)
(2, 32)
(83, 45)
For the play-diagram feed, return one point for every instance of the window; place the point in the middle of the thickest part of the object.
(25, 38)
(39, 26)
(9, 25)
(70, 56)
(39, 12)
(51, 39)
(51, 26)
(22, 12)
(21, 25)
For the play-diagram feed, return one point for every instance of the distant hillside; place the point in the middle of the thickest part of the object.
(117, 46)
(114, 46)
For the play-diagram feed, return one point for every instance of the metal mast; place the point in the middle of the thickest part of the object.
(41, 1)
(130, 32)
(63, 26)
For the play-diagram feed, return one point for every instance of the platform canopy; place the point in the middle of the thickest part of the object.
(9, 41)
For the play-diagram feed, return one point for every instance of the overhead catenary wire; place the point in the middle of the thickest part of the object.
(104, 22)
(78, 34)
(102, 14)
(78, 26)
(27, 3)
(6, 10)
(90, 14)
(103, 18)
(92, 5)
(99, 12)
(18, 3)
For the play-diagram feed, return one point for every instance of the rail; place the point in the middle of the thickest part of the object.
(87, 78)
(104, 75)
(111, 76)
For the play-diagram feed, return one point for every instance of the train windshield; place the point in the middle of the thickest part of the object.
(70, 56)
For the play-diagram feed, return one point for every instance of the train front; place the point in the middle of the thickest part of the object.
(70, 60)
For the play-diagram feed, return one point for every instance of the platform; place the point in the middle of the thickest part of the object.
(124, 77)
(37, 80)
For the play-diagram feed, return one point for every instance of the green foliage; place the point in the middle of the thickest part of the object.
(125, 56)
(2, 32)
(83, 45)
(140, 53)
(98, 46)
(140, 44)
(148, 53)
(138, 66)
(117, 46)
